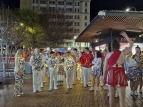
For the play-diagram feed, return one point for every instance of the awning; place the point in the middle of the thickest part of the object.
(99, 28)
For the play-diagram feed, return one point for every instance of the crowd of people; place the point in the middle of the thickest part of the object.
(112, 70)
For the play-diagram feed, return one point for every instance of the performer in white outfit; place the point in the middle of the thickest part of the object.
(37, 63)
(47, 57)
(60, 69)
(44, 69)
(52, 64)
(69, 64)
(18, 72)
(75, 57)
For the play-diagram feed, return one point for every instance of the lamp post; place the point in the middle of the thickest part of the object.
(129, 9)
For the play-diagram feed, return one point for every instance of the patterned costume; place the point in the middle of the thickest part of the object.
(52, 64)
(61, 73)
(140, 60)
(37, 63)
(69, 63)
(75, 57)
(19, 66)
(97, 67)
(133, 73)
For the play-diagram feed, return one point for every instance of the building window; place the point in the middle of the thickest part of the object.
(36, 8)
(77, 30)
(74, 44)
(85, 17)
(61, 3)
(86, 4)
(69, 16)
(69, 3)
(36, 1)
(78, 24)
(33, 1)
(61, 9)
(78, 9)
(68, 9)
(78, 17)
(43, 1)
(74, 23)
(85, 24)
(43, 8)
(74, 30)
(52, 2)
(85, 10)
(52, 8)
(76, 3)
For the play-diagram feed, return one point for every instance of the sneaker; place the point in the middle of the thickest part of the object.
(39, 90)
(70, 87)
(132, 93)
(91, 89)
(105, 88)
(88, 85)
(97, 89)
(55, 88)
(18, 95)
(116, 95)
(50, 89)
(135, 92)
(73, 84)
(85, 86)
(34, 91)
(22, 93)
(140, 91)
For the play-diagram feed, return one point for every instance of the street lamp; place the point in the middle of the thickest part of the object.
(129, 9)
(21, 24)
(75, 37)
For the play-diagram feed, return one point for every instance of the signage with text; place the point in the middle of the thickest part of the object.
(124, 39)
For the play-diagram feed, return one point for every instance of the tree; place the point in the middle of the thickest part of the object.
(34, 32)
(56, 26)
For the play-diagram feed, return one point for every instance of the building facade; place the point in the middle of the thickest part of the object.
(76, 10)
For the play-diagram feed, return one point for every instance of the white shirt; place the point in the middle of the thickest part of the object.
(97, 62)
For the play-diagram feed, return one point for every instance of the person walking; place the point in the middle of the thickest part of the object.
(18, 72)
(132, 73)
(86, 61)
(52, 64)
(69, 65)
(114, 65)
(138, 58)
(37, 63)
(96, 70)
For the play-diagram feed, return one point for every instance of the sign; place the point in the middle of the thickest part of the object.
(124, 39)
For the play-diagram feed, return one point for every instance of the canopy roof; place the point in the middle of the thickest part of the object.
(99, 28)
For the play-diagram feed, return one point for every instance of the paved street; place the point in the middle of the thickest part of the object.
(76, 97)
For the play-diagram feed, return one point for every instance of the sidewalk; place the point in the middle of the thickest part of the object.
(76, 97)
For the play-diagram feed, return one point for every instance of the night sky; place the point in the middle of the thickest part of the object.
(97, 5)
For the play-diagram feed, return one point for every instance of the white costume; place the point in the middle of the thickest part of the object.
(75, 68)
(44, 69)
(47, 58)
(37, 63)
(51, 63)
(69, 64)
